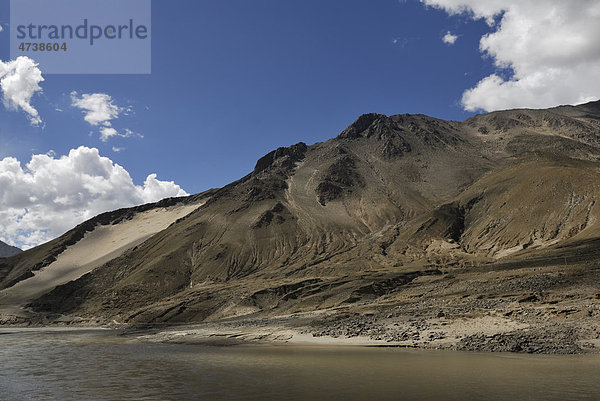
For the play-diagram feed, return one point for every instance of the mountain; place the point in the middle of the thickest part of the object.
(397, 217)
(7, 250)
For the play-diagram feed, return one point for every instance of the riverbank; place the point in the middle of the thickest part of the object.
(484, 333)
(490, 333)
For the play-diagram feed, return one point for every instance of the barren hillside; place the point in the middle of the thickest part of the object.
(396, 216)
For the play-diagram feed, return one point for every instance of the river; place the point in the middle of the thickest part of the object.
(99, 365)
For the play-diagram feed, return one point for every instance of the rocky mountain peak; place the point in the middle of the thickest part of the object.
(282, 157)
(363, 123)
(7, 250)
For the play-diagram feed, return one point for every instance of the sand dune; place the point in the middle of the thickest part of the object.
(96, 248)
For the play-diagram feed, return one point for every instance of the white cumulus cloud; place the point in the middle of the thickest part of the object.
(97, 107)
(51, 194)
(19, 81)
(107, 132)
(449, 38)
(99, 110)
(550, 47)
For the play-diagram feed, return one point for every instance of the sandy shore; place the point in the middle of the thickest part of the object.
(484, 333)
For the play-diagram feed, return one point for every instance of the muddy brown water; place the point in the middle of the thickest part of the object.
(99, 365)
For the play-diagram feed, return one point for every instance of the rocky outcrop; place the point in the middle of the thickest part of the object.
(340, 179)
(282, 158)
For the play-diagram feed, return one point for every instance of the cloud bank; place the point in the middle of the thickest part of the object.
(551, 47)
(19, 81)
(53, 194)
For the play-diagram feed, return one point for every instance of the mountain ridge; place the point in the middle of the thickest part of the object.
(352, 222)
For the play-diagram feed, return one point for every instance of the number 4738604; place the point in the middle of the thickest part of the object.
(42, 47)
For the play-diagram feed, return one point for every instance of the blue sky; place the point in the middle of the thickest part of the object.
(232, 80)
